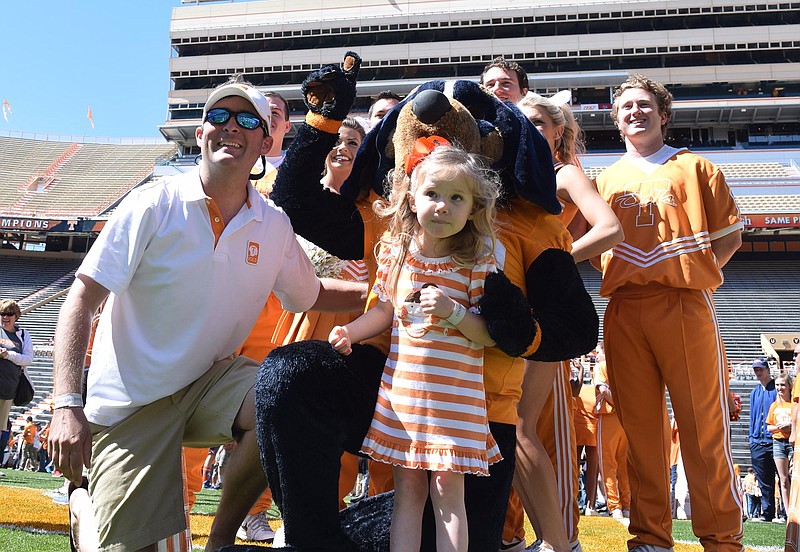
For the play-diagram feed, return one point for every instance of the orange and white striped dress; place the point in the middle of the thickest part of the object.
(431, 409)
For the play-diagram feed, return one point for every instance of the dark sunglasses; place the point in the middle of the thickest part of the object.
(244, 119)
(8, 314)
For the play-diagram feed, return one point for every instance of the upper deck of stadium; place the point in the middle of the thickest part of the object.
(733, 66)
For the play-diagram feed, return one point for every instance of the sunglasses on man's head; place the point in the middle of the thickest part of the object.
(8, 314)
(244, 119)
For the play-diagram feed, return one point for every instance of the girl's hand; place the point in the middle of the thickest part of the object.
(436, 302)
(339, 338)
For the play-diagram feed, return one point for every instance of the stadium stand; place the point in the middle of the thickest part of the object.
(24, 278)
(757, 296)
(81, 179)
(736, 171)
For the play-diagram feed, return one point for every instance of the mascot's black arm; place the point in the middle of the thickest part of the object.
(324, 218)
(558, 312)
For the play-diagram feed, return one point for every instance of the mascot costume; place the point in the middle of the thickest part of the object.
(313, 404)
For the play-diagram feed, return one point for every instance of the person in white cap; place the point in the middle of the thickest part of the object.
(187, 266)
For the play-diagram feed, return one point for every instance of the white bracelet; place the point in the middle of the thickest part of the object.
(458, 314)
(67, 400)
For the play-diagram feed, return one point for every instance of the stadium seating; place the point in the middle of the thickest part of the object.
(23, 276)
(756, 297)
(51, 179)
(735, 170)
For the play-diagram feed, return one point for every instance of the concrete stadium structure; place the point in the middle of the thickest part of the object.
(733, 66)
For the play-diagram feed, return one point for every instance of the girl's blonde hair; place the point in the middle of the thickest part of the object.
(787, 379)
(570, 145)
(477, 239)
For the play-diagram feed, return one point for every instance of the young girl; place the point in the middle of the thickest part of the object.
(779, 423)
(431, 412)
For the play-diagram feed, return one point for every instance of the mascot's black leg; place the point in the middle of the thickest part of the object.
(312, 403)
(486, 498)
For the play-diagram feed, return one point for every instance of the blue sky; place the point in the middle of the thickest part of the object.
(58, 57)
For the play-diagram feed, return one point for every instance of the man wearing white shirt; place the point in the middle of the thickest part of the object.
(187, 266)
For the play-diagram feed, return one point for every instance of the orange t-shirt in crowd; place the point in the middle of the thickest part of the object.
(780, 412)
(29, 433)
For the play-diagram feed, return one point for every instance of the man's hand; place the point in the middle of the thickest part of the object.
(330, 91)
(70, 442)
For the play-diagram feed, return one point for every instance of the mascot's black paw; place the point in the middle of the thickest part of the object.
(330, 91)
(366, 523)
(508, 315)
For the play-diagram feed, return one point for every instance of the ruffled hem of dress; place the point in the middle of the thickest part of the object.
(446, 459)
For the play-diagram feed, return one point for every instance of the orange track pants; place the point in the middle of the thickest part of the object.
(658, 336)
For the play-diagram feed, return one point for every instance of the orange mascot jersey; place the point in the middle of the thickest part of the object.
(525, 231)
(661, 329)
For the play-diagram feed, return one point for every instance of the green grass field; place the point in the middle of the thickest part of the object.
(30, 522)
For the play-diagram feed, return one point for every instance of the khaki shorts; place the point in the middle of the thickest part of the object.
(135, 480)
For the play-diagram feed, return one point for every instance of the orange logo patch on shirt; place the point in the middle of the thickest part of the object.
(252, 252)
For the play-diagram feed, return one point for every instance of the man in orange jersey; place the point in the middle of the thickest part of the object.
(505, 79)
(681, 226)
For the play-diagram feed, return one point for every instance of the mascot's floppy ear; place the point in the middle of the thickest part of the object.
(512, 145)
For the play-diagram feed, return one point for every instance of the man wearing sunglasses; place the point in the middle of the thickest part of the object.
(187, 266)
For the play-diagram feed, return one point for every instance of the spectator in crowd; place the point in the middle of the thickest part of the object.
(752, 493)
(779, 424)
(7, 450)
(681, 227)
(279, 126)
(505, 79)
(613, 446)
(761, 398)
(16, 352)
(43, 457)
(214, 251)
(674, 459)
(383, 103)
(30, 455)
(586, 441)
